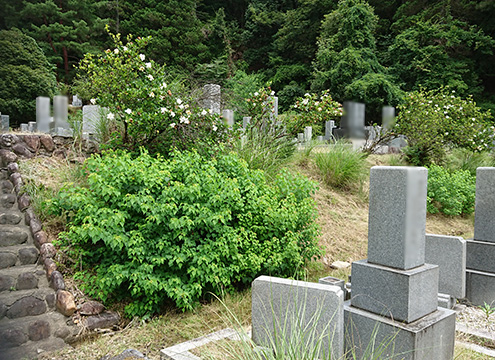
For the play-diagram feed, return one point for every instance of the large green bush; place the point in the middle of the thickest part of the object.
(436, 120)
(150, 231)
(24, 74)
(452, 193)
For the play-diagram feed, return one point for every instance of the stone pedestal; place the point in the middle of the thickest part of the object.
(431, 337)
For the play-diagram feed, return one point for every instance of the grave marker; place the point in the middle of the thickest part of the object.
(60, 112)
(43, 114)
(212, 97)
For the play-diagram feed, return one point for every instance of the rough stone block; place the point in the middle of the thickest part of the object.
(12, 236)
(65, 303)
(281, 306)
(484, 226)
(480, 256)
(28, 255)
(105, 320)
(26, 306)
(7, 259)
(26, 281)
(39, 330)
(449, 253)
(403, 295)
(397, 216)
(429, 338)
(480, 287)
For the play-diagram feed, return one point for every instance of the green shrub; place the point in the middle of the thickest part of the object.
(452, 193)
(341, 166)
(437, 120)
(464, 159)
(149, 230)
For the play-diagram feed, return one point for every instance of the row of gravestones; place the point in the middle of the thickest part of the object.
(400, 296)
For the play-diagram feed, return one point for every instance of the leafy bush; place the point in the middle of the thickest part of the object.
(313, 110)
(24, 74)
(464, 159)
(436, 120)
(341, 166)
(153, 230)
(452, 193)
(153, 111)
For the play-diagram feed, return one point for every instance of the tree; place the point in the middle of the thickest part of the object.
(25, 74)
(346, 61)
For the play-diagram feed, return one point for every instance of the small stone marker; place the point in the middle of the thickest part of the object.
(60, 112)
(76, 102)
(480, 281)
(32, 126)
(43, 114)
(329, 126)
(91, 117)
(282, 306)
(300, 137)
(308, 134)
(228, 115)
(449, 253)
(4, 123)
(212, 97)
(24, 127)
(246, 120)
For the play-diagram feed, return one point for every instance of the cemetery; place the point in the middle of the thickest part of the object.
(221, 193)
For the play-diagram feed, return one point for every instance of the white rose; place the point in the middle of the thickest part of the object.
(142, 57)
(148, 65)
(128, 111)
(92, 101)
(110, 116)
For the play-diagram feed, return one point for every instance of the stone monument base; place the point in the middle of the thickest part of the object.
(431, 337)
(480, 287)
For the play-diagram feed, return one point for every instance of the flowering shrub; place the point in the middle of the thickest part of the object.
(260, 106)
(151, 231)
(438, 119)
(150, 110)
(313, 110)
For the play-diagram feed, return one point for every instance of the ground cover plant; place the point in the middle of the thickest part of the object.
(153, 231)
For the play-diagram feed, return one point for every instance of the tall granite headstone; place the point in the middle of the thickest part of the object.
(43, 117)
(60, 112)
(4, 123)
(353, 119)
(394, 293)
(228, 116)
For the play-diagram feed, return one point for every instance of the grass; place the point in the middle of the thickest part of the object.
(344, 226)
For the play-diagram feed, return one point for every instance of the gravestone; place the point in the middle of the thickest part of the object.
(246, 120)
(281, 308)
(228, 115)
(449, 253)
(92, 117)
(212, 97)
(308, 134)
(4, 123)
(480, 281)
(300, 137)
(394, 292)
(274, 110)
(76, 102)
(43, 114)
(24, 127)
(329, 126)
(320, 138)
(60, 113)
(353, 119)
(388, 117)
(32, 126)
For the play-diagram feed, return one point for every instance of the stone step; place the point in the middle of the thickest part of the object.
(6, 187)
(34, 332)
(11, 217)
(23, 277)
(14, 235)
(18, 255)
(22, 303)
(7, 201)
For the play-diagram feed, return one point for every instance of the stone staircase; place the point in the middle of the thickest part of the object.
(29, 320)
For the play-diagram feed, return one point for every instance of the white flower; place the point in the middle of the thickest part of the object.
(307, 94)
(272, 93)
(110, 116)
(447, 117)
(256, 93)
(116, 51)
(152, 94)
(151, 77)
(125, 48)
(214, 127)
(210, 111)
(179, 101)
(163, 86)
(142, 57)
(203, 112)
(172, 114)
(181, 106)
(92, 101)
(183, 120)
(148, 65)
(173, 125)
(319, 109)
(128, 111)
(141, 68)
(305, 102)
(164, 110)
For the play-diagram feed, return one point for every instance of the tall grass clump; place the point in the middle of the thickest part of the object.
(341, 166)
(465, 159)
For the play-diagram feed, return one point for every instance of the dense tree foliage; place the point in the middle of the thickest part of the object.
(371, 51)
(25, 74)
